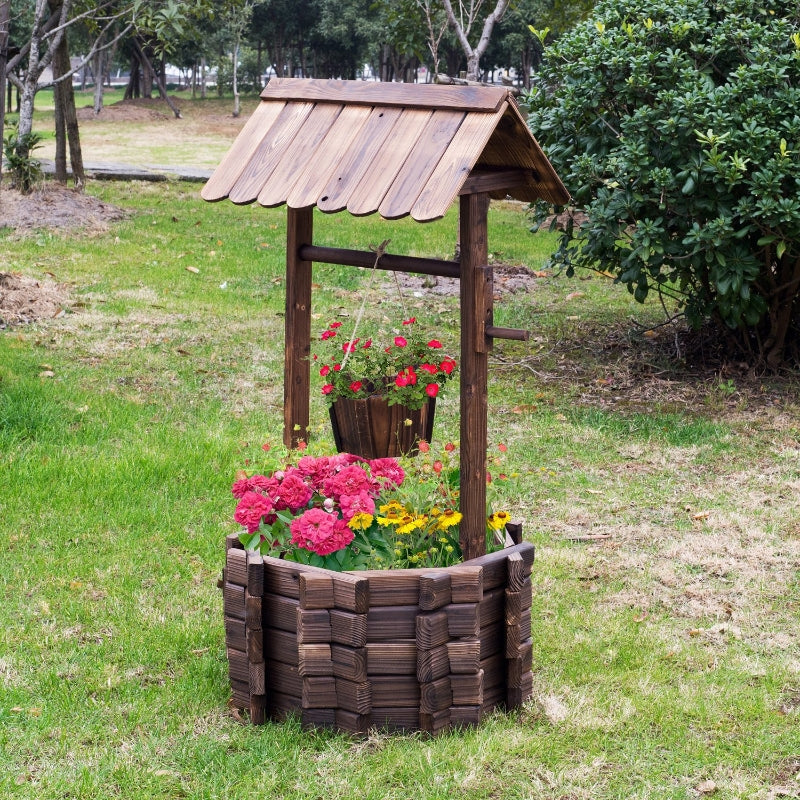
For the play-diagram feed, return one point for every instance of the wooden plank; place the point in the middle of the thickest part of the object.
(389, 587)
(435, 696)
(352, 696)
(258, 709)
(311, 182)
(255, 574)
(465, 716)
(252, 611)
(314, 659)
(392, 659)
(233, 600)
(232, 542)
(434, 591)
(235, 633)
(423, 159)
(395, 690)
(389, 262)
(348, 628)
(313, 626)
(467, 689)
(281, 706)
(492, 639)
(280, 612)
(349, 722)
(281, 577)
(464, 656)
(284, 679)
(515, 568)
(428, 95)
(255, 646)
(319, 692)
(316, 591)
(297, 331)
(513, 609)
(357, 159)
(432, 630)
(495, 568)
(318, 717)
(349, 663)
(495, 672)
(269, 152)
(257, 678)
(495, 180)
(492, 608)
(301, 151)
(236, 567)
(390, 623)
(435, 723)
(394, 719)
(463, 619)
(387, 163)
(351, 593)
(433, 664)
(454, 165)
(240, 694)
(238, 666)
(517, 696)
(476, 313)
(255, 130)
(467, 584)
(280, 646)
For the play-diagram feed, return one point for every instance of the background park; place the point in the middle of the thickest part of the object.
(655, 464)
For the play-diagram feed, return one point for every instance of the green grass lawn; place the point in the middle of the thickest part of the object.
(664, 506)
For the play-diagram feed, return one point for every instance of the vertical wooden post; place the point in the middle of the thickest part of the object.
(297, 322)
(476, 314)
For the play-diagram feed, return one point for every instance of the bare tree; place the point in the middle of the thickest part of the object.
(468, 14)
(5, 19)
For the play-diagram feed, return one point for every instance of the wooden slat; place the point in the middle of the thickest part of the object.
(269, 152)
(388, 623)
(280, 646)
(434, 723)
(280, 706)
(316, 591)
(233, 600)
(313, 626)
(311, 182)
(430, 95)
(394, 718)
(319, 692)
(314, 659)
(351, 593)
(318, 717)
(255, 574)
(463, 619)
(393, 587)
(395, 690)
(392, 659)
(432, 630)
(349, 663)
(433, 664)
(349, 722)
(431, 145)
(254, 643)
(467, 689)
(284, 679)
(301, 151)
(255, 130)
(352, 696)
(235, 635)
(434, 591)
(387, 163)
(435, 696)
(348, 629)
(280, 612)
(466, 584)
(236, 567)
(455, 165)
(492, 608)
(465, 656)
(358, 158)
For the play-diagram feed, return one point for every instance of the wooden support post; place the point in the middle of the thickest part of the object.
(476, 314)
(297, 322)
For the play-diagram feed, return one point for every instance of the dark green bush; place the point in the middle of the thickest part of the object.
(676, 126)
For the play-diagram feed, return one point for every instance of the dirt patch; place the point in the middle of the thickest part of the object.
(24, 300)
(508, 279)
(139, 110)
(54, 206)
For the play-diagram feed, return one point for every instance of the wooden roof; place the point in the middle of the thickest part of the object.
(394, 148)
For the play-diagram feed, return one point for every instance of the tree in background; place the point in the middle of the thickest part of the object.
(463, 23)
(675, 125)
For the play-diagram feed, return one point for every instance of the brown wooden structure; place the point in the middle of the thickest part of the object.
(398, 150)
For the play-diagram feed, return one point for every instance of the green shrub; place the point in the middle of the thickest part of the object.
(25, 171)
(676, 127)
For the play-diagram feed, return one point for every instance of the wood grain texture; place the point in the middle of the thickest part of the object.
(430, 95)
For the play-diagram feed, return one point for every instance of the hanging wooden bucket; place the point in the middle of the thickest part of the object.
(371, 428)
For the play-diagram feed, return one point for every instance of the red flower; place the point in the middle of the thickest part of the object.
(350, 347)
(449, 447)
(447, 366)
(335, 325)
(409, 321)
(438, 467)
(400, 341)
(431, 368)
(327, 388)
(432, 389)
(423, 446)
(325, 370)
(327, 335)
(406, 377)
(337, 367)
(435, 344)
(355, 386)
(367, 344)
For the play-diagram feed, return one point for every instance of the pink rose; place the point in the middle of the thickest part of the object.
(388, 470)
(250, 510)
(294, 492)
(360, 503)
(320, 532)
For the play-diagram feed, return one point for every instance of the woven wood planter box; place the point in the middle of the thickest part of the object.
(418, 649)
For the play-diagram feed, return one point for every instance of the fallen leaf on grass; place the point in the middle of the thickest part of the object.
(701, 515)
(524, 409)
(193, 270)
(574, 295)
(706, 787)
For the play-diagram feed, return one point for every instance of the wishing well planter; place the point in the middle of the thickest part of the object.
(417, 649)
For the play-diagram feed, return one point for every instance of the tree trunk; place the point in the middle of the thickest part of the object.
(148, 69)
(65, 110)
(236, 106)
(5, 15)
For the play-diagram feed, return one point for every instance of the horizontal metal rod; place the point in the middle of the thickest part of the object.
(362, 258)
(517, 334)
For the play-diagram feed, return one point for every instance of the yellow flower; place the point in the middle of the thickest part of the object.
(360, 521)
(393, 513)
(448, 518)
(411, 523)
(498, 520)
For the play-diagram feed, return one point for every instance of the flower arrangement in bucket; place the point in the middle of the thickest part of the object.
(375, 390)
(343, 512)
